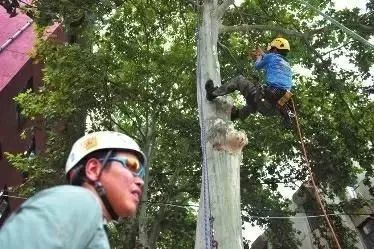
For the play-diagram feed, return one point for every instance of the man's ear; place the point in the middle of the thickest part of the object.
(93, 169)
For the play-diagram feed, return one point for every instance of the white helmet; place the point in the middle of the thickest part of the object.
(98, 141)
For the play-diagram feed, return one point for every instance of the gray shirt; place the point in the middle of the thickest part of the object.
(63, 217)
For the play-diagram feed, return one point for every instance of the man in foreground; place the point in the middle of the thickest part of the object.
(105, 170)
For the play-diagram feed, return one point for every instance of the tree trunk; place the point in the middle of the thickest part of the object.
(223, 146)
(143, 220)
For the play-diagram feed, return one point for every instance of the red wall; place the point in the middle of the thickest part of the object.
(16, 69)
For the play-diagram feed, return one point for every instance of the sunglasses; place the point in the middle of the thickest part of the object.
(136, 168)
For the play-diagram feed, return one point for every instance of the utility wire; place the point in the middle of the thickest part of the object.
(172, 204)
(306, 216)
(251, 216)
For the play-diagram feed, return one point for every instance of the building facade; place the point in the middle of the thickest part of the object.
(359, 217)
(18, 73)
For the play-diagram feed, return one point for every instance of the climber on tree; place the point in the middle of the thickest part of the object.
(274, 96)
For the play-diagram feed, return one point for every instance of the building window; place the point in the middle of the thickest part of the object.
(29, 85)
(367, 232)
(21, 119)
(311, 209)
(31, 150)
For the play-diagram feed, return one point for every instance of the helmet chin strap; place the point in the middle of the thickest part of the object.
(101, 191)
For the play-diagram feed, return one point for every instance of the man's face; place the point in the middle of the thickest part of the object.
(123, 189)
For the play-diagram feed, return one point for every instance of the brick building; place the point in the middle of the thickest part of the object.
(17, 73)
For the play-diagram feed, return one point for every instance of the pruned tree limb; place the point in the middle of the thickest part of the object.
(247, 27)
(195, 4)
(337, 48)
(223, 7)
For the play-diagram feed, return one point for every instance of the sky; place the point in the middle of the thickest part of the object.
(251, 233)
(341, 4)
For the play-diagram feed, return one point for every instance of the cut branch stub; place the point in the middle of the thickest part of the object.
(224, 137)
(223, 107)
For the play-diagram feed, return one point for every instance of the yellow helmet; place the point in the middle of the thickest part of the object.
(280, 43)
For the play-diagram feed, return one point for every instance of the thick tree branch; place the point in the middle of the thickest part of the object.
(366, 27)
(337, 48)
(223, 7)
(247, 27)
(195, 4)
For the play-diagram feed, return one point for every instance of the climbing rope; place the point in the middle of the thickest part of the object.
(356, 36)
(208, 224)
(208, 218)
(316, 190)
(210, 242)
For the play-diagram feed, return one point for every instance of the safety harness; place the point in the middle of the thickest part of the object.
(278, 98)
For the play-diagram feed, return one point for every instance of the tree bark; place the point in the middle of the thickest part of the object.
(143, 221)
(223, 145)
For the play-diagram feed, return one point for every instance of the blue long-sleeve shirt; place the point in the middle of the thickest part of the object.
(277, 70)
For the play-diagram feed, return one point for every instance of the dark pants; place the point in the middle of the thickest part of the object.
(259, 99)
(246, 88)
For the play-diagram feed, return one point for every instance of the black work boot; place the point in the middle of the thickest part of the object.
(209, 88)
(234, 113)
